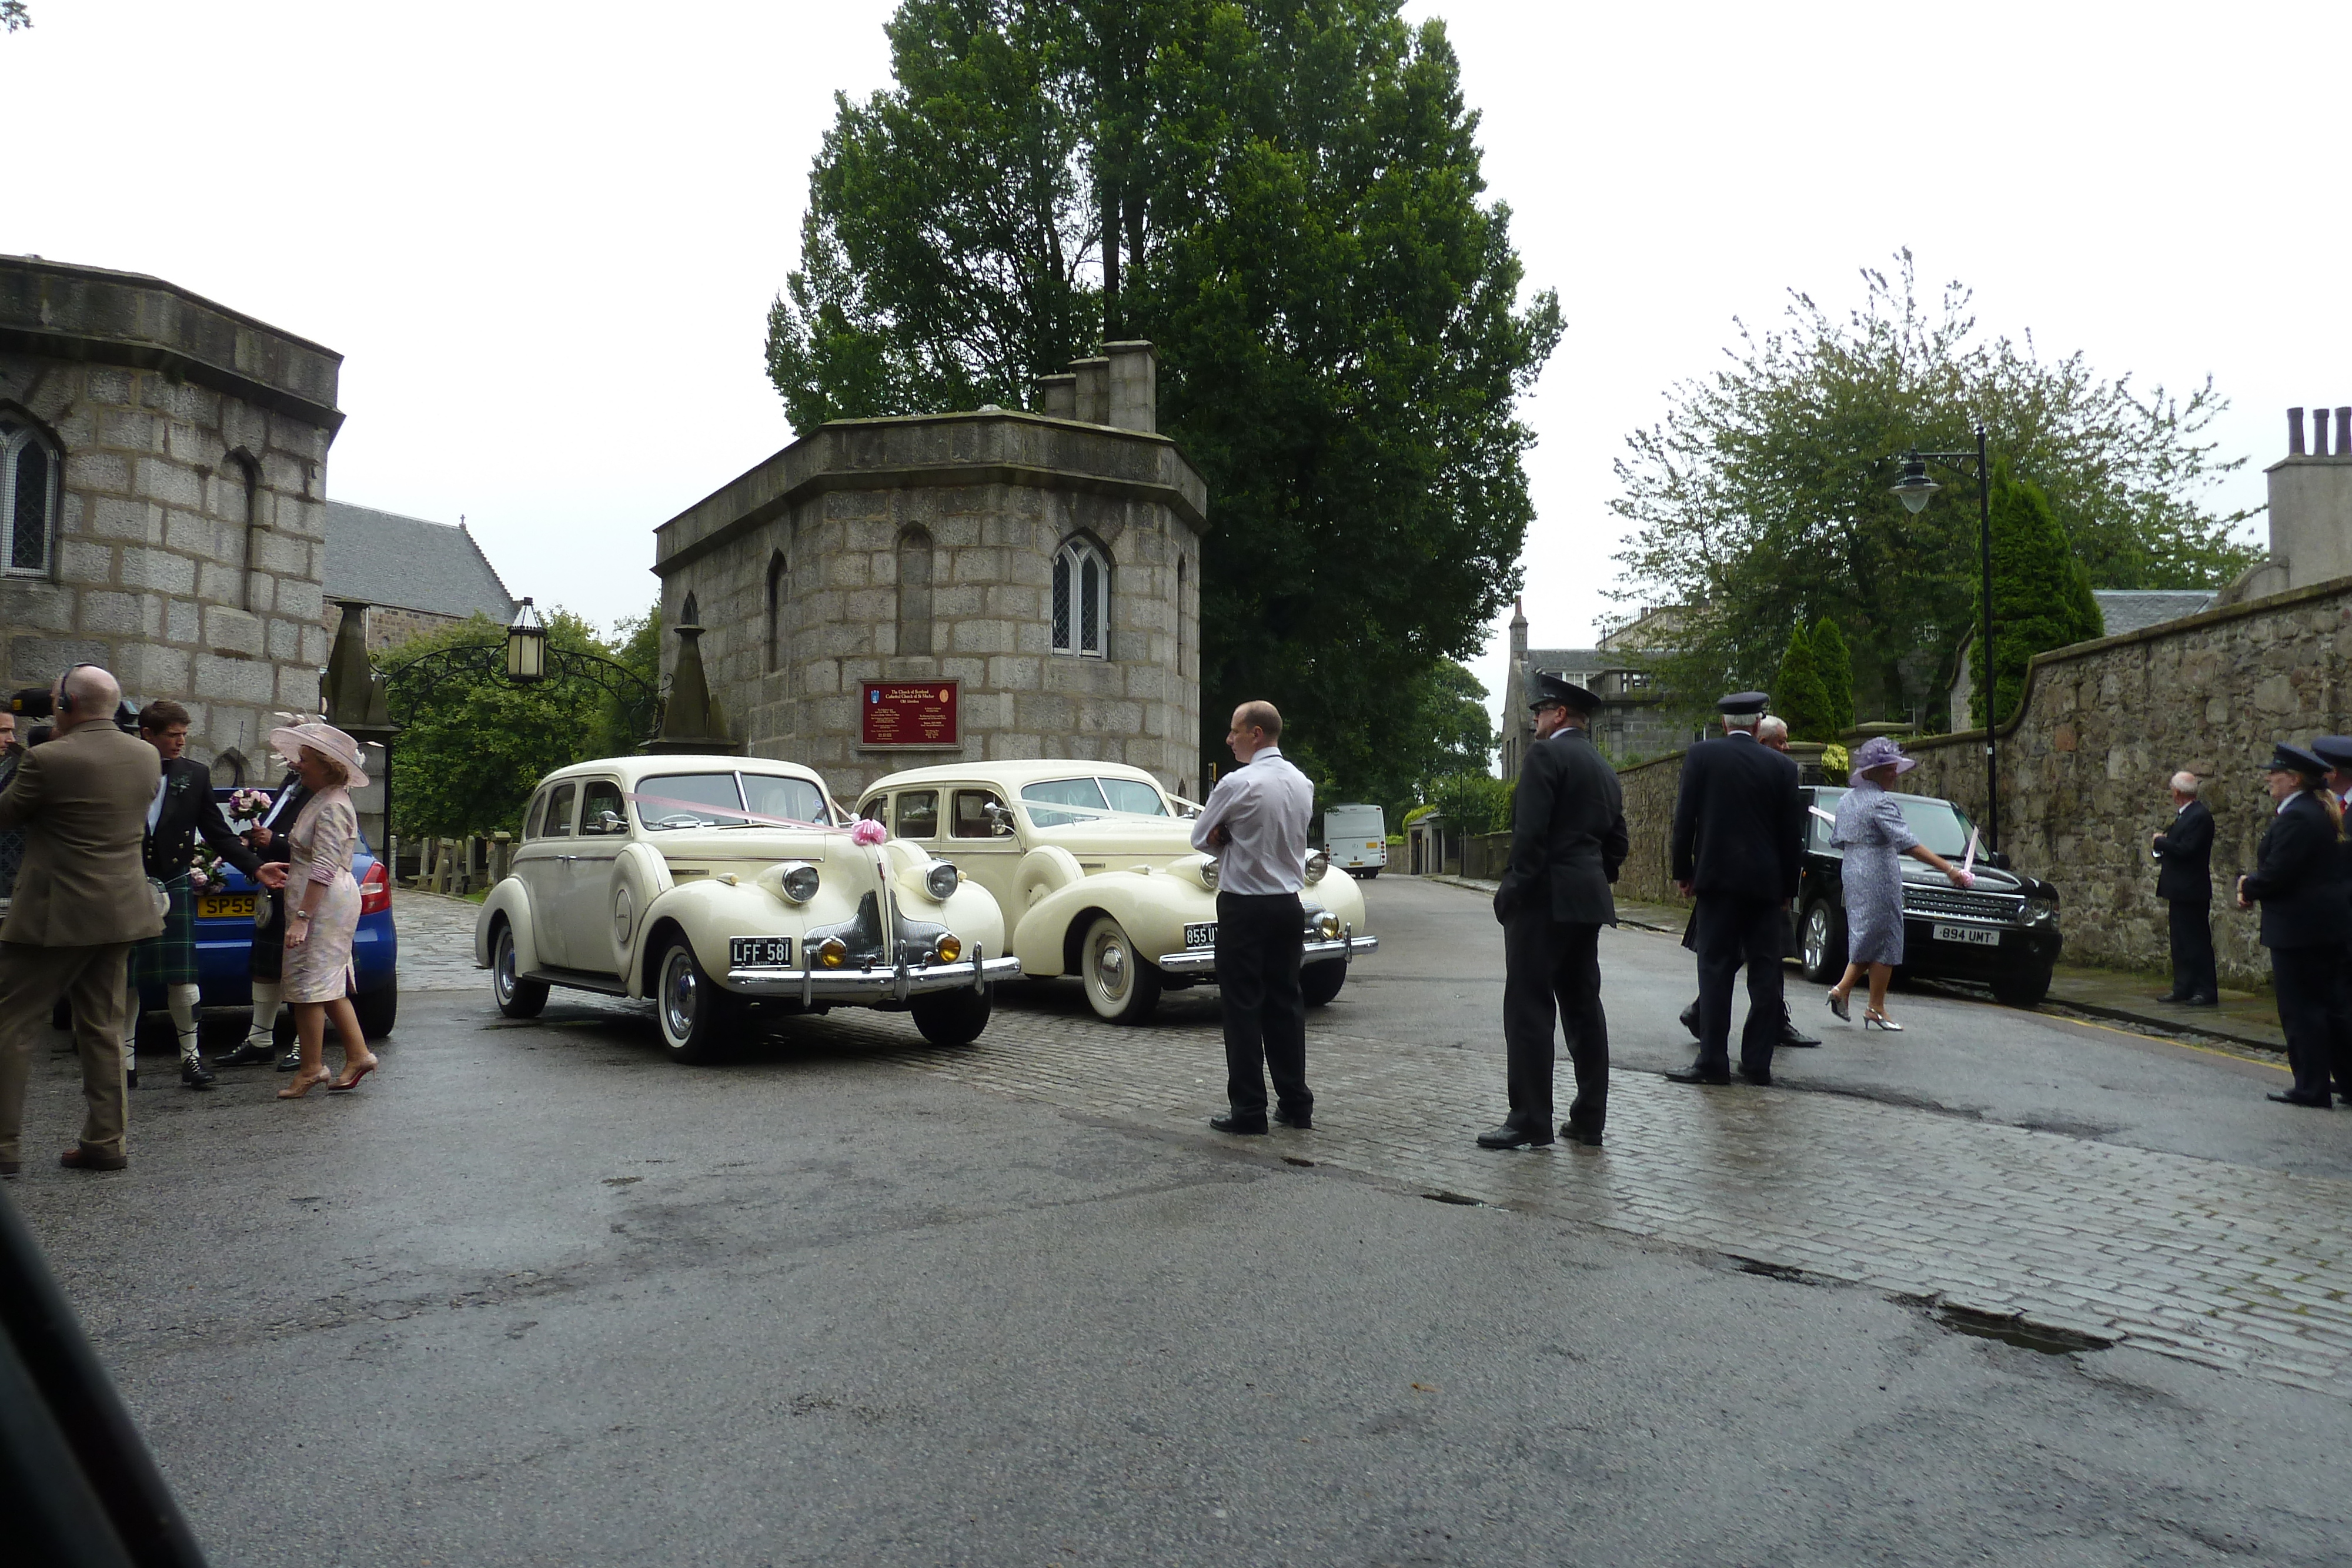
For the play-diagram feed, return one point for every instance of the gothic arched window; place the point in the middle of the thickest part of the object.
(779, 585)
(1081, 600)
(241, 505)
(28, 499)
(914, 592)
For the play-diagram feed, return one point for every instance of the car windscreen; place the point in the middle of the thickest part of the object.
(688, 801)
(1131, 795)
(794, 800)
(1083, 792)
(1939, 824)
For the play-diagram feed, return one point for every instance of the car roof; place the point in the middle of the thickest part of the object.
(1899, 794)
(632, 768)
(1013, 774)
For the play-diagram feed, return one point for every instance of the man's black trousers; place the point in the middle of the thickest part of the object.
(1732, 932)
(2339, 1020)
(2304, 979)
(2192, 949)
(1258, 940)
(1552, 972)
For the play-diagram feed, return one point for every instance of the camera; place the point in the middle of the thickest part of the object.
(37, 702)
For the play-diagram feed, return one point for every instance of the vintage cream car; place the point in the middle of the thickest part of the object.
(1094, 866)
(708, 883)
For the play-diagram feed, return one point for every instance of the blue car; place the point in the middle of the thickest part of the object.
(225, 943)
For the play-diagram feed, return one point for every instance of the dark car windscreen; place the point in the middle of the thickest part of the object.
(1939, 823)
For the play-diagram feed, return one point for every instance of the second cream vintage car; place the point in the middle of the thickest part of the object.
(711, 883)
(1094, 867)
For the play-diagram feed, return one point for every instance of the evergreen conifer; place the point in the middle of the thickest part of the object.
(1835, 663)
(1798, 695)
(2041, 593)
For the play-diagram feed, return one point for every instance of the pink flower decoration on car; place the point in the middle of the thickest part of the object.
(868, 831)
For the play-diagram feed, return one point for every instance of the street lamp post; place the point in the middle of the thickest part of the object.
(1917, 489)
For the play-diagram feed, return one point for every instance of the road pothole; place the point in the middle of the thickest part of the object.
(2015, 1328)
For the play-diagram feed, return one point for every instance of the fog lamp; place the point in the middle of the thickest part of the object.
(832, 953)
(949, 949)
(1326, 926)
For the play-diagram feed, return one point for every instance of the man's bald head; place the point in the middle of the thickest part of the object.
(85, 693)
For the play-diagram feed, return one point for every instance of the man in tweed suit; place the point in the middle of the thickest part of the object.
(81, 901)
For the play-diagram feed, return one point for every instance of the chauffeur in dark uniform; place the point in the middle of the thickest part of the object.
(2184, 880)
(1738, 845)
(1568, 838)
(2299, 882)
(2336, 751)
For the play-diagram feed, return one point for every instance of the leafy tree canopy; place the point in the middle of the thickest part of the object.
(1289, 197)
(14, 16)
(2041, 593)
(1798, 695)
(1768, 486)
(1835, 663)
(470, 751)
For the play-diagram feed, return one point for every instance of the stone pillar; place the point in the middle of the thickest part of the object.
(1057, 396)
(1134, 390)
(1093, 378)
(692, 722)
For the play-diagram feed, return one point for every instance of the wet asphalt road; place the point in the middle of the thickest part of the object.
(535, 1296)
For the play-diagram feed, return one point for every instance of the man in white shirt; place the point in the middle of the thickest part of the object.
(1255, 824)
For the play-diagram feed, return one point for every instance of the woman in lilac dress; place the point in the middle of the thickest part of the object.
(322, 903)
(1871, 830)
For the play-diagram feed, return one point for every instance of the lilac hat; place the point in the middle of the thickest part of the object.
(1877, 752)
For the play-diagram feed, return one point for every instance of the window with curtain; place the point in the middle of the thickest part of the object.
(28, 499)
(1081, 600)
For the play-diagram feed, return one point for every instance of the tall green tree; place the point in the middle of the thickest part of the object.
(1835, 663)
(2041, 593)
(1797, 696)
(1287, 197)
(1768, 485)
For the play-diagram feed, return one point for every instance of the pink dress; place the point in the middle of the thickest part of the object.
(322, 841)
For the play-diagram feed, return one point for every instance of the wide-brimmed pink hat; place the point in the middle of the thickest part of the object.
(1877, 752)
(326, 740)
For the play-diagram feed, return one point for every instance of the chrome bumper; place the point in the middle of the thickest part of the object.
(1204, 961)
(806, 986)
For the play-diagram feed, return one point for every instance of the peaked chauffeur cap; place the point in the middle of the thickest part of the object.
(1551, 688)
(2336, 751)
(1739, 704)
(2286, 759)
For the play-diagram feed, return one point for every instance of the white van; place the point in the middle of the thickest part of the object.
(1356, 838)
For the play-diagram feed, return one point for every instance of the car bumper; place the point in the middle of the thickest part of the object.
(2021, 947)
(807, 985)
(1202, 961)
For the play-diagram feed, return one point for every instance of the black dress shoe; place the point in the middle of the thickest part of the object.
(250, 1054)
(2202, 1002)
(2323, 1102)
(1694, 1074)
(291, 1061)
(194, 1073)
(1508, 1137)
(1302, 1121)
(1761, 1079)
(1247, 1126)
(1791, 1037)
(131, 1078)
(1589, 1138)
(1690, 1020)
(2172, 999)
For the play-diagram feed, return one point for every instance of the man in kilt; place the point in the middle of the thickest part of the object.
(183, 807)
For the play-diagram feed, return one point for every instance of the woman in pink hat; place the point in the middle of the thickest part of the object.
(1871, 830)
(322, 907)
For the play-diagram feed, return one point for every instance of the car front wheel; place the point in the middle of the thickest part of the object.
(953, 1017)
(693, 1011)
(516, 998)
(1824, 943)
(1122, 984)
(2022, 987)
(1319, 983)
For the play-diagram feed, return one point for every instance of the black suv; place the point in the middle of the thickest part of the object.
(2004, 931)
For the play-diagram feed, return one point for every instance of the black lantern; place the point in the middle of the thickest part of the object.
(526, 647)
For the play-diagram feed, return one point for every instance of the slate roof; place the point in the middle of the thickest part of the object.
(409, 563)
(2129, 608)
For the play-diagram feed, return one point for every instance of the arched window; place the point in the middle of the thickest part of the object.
(28, 498)
(779, 585)
(914, 593)
(241, 505)
(1081, 600)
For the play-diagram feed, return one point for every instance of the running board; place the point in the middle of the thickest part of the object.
(577, 980)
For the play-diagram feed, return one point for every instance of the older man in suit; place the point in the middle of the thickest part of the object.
(81, 901)
(1568, 838)
(2184, 880)
(1739, 846)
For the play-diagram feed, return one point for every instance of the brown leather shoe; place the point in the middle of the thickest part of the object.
(80, 1159)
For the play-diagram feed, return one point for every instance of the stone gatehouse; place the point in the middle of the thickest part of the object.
(1048, 564)
(162, 486)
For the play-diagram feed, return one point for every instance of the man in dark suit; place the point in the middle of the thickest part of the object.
(2184, 880)
(2298, 879)
(1568, 838)
(81, 901)
(1773, 734)
(183, 807)
(2336, 751)
(1738, 845)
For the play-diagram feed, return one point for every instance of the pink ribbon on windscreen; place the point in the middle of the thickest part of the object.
(865, 831)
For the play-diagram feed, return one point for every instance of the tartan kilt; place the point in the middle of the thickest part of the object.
(169, 959)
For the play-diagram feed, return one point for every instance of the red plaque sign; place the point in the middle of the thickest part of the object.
(900, 713)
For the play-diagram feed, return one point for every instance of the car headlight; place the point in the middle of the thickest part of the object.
(1317, 863)
(2039, 909)
(1209, 873)
(799, 883)
(940, 880)
(949, 949)
(1326, 925)
(832, 953)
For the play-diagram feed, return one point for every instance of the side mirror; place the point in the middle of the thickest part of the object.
(1000, 819)
(610, 822)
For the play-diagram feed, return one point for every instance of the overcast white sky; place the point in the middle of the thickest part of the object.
(545, 237)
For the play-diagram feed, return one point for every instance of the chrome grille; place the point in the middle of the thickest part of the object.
(1951, 903)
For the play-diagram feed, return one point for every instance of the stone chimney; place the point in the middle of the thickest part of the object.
(1134, 386)
(1094, 390)
(1057, 396)
(2311, 500)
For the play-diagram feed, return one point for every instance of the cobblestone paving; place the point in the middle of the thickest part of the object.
(2224, 1265)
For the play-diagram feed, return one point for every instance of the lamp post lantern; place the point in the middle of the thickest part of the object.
(526, 646)
(1915, 490)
